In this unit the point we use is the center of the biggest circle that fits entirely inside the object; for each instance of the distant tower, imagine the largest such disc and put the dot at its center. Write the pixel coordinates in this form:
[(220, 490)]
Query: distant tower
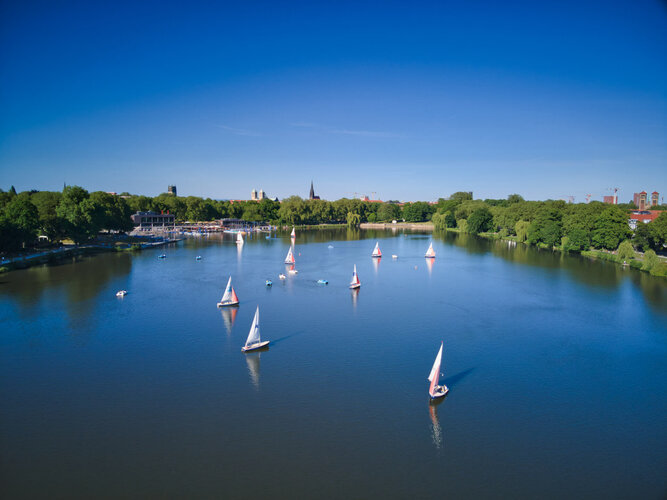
[(655, 196), (639, 199), (261, 195), (172, 190), (312, 191), (253, 195)]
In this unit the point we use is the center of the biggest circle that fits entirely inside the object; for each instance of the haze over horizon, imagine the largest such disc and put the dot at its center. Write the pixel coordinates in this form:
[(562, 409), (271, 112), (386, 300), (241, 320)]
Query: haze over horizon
[(412, 102)]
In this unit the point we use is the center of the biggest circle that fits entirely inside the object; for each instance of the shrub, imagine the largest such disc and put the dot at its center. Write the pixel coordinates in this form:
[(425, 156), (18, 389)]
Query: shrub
[(651, 260), (626, 251)]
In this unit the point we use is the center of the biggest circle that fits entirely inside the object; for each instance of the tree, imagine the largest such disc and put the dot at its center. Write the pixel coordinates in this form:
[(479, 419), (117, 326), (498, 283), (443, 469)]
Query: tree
[(658, 235), (76, 214), (418, 211), (577, 240), (514, 198), (461, 196), (611, 227), (642, 237), (439, 221), (546, 227), (20, 222), (480, 221), (388, 212), (625, 250), (521, 229), (650, 260), (353, 219), (293, 210), (49, 223)]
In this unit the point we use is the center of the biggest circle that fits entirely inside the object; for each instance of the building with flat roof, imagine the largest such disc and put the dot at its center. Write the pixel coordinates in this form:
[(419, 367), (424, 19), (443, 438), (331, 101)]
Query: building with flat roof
[(150, 221), (172, 190)]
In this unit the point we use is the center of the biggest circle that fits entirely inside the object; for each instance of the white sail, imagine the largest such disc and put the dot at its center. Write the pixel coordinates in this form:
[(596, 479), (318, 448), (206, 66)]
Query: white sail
[(253, 335), (430, 252), (435, 371), (290, 257), (239, 237), (228, 291), (376, 250), (293, 234)]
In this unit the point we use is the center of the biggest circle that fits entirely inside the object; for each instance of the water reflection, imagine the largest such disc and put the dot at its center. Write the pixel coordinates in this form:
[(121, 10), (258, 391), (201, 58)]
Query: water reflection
[(429, 265), (436, 430), (376, 264), (253, 361), (355, 295), (229, 317)]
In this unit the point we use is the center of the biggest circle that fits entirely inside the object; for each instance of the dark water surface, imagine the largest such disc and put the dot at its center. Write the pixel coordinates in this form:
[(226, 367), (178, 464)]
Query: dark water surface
[(557, 368)]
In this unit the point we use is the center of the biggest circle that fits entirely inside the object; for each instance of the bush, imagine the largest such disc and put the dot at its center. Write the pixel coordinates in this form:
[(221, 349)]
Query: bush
[(651, 260), (626, 251)]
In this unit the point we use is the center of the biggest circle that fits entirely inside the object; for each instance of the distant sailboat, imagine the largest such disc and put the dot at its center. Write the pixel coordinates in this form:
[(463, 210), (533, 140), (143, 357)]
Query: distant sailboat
[(254, 340), (229, 298), (430, 253), (435, 390), (239, 238), (293, 233), (376, 250), (355, 283), (290, 257)]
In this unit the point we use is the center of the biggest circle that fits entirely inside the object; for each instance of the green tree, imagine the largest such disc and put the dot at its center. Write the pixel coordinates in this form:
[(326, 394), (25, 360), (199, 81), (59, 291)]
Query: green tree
[(439, 221), (20, 223), (514, 198), (611, 227), (461, 196), (521, 229), (642, 237), (546, 227), (480, 221), (625, 250), (658, 234), (577, 240), (353, 219), (650, 260), (77, 213), (293, 210), (388, 212), (49, 223)]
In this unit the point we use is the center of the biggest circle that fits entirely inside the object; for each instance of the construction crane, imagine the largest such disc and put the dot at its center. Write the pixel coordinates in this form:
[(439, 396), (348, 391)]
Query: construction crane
[(588, 197), (615, 190), (374, 193)]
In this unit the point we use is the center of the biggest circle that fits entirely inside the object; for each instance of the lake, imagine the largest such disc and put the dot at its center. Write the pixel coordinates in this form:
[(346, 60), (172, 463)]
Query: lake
[(556, 365)]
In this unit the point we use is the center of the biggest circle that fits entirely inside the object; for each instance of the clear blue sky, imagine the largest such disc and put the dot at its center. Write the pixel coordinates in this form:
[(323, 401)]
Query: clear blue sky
[(410, 100)]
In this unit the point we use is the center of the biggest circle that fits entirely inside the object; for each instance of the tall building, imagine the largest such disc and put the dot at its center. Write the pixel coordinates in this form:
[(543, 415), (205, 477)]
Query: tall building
[(639, 200), (312, 193), (253, 195), (172, 190), (654, 198), (261, 195), (609, 199)]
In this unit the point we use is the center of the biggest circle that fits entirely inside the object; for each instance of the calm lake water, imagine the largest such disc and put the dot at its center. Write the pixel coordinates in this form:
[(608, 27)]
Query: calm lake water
[(557, 368)]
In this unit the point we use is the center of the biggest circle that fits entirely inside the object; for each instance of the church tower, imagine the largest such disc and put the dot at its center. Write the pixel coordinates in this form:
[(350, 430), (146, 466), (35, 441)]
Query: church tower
[(312, 191)]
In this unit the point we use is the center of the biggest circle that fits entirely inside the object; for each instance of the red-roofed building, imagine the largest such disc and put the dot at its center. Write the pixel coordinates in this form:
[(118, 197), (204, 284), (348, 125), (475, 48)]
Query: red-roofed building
[(654, 199), (639, 200), (644, 216)]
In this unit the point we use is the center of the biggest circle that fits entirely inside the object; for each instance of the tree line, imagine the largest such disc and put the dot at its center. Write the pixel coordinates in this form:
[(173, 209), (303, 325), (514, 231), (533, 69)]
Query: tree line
[(78, 215)]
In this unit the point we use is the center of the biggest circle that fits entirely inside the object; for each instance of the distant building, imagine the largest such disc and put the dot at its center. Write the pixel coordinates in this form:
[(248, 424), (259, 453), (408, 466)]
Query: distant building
[(644, 216), (639, 200), (148, 221), (261, 195), (609, 199), (253, 195), (654, 199), (312, 193), (172, 190)]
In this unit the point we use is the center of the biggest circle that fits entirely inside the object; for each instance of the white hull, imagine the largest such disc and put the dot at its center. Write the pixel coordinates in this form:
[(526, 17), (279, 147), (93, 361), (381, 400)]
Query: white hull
[(230, 303), (430, 256), (355, 285), (255, 346), (439, 392)]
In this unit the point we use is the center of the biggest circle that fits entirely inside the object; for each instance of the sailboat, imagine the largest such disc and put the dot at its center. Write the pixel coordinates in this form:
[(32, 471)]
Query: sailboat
[(435, 390), (430, 253), (229, 298), (376, 250), (355, 283), (293, 233), (290, 257), (239, 238), (254, 341)]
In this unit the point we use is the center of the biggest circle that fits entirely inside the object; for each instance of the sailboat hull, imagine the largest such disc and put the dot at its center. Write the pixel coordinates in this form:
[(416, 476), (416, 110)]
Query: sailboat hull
[(356, 285), (227, 304), (439, 392), (255, 346), (430, 256)]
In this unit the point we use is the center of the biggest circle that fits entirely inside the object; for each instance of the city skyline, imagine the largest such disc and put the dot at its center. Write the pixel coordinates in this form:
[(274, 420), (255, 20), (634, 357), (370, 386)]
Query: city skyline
[(547, 101)]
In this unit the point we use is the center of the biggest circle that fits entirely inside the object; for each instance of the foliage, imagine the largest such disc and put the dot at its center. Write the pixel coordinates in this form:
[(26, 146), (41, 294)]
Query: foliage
[(514, 198), (19, 223), (625, 250), (546, 228), (577, 240), (353, 219), (651, 260), (521, 229), (418, 211), (480, 221), (461, 196), (611, 227)]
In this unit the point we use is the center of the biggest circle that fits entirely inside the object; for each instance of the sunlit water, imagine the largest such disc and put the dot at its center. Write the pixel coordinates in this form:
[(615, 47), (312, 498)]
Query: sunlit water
[(557, 368)]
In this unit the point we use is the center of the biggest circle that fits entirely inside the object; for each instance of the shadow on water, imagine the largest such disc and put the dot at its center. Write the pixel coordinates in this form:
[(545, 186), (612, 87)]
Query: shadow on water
[(285, 337), (455, 379)]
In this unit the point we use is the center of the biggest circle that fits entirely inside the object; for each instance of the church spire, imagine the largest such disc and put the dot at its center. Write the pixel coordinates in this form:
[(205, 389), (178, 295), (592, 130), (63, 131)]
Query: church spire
[(312, 191)]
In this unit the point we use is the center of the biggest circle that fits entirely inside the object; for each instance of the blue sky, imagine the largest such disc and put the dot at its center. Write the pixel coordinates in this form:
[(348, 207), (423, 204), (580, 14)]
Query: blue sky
[(410, 100)]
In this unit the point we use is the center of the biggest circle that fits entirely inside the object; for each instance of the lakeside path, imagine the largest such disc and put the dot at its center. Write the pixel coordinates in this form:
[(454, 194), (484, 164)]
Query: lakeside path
[(427, 226)]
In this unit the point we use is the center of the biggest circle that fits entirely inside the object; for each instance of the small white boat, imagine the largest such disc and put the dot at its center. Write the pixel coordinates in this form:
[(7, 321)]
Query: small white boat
[(239, 238), (323, 282), (198, 257), (290, 257), (376, 250), (330, 247), (121, 293), (435, 390), (254, 340), (394, 256), (229, 298), (355, 283), (282, 276), (430, 253), (293, 233)]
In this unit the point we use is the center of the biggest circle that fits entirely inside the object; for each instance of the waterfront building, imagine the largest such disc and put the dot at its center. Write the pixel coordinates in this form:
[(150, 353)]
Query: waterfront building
[(644, 216), (639, 200), (172, 190), (149, 221)]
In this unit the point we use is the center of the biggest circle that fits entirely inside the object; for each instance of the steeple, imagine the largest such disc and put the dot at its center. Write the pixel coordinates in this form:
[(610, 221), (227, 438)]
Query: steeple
[(312, 191)]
